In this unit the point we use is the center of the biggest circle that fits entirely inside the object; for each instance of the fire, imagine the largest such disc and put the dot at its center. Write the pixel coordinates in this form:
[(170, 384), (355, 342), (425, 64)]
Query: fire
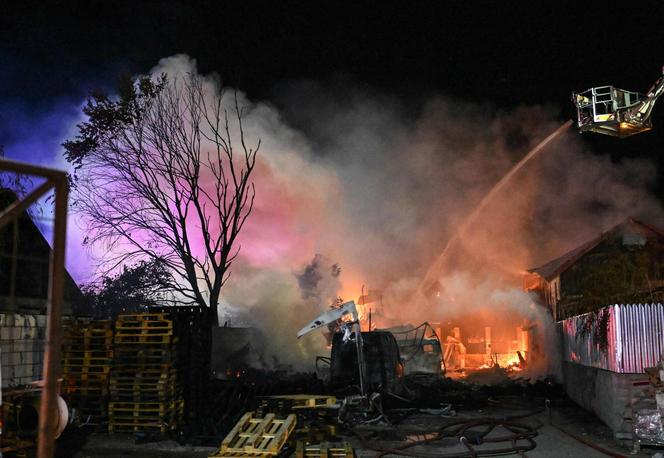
[(471, 338), (510, 361)]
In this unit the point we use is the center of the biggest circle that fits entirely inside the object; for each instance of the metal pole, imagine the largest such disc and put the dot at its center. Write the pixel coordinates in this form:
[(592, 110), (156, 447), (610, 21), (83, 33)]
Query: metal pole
[(46, 437), (361, 363)]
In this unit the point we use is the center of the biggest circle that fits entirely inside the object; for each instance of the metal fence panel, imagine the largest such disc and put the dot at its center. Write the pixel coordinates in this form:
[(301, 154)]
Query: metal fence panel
[(635, 339)]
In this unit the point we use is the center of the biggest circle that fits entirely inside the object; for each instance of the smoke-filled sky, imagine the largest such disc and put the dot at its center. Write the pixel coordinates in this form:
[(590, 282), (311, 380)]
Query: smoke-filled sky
[(377, 140)]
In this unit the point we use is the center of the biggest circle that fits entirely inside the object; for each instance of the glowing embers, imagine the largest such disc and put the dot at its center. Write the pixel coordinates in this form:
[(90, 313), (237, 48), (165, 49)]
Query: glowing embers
[(477, 343)]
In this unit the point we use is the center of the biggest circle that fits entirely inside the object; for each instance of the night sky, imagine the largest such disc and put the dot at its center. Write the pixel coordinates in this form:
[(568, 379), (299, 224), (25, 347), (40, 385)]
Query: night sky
[(498, 55), (503, 54)]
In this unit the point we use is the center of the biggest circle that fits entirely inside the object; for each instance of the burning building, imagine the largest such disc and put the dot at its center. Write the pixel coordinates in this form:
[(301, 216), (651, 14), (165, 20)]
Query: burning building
[(606, 295), (625, 263)]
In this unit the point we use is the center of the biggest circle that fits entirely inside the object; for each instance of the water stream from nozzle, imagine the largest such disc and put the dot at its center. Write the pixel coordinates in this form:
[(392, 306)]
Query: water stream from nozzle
[(435, 268)]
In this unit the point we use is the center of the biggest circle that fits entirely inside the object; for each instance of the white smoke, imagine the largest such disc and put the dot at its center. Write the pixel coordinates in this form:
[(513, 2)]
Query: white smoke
[(379, 186)]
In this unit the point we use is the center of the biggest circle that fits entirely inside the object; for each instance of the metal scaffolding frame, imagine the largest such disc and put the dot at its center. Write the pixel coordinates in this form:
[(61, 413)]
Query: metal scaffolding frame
[(57, 181)]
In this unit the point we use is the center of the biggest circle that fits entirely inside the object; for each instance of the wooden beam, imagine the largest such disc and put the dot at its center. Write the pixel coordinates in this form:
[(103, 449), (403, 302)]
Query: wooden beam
[(31, 169)]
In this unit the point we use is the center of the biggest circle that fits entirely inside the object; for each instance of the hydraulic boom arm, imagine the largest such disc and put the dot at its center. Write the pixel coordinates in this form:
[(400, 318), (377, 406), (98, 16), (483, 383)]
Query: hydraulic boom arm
[(642, 112)]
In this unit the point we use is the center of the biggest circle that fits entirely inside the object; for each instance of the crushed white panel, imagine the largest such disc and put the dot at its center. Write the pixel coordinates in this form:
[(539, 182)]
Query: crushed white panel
[(635, 339)]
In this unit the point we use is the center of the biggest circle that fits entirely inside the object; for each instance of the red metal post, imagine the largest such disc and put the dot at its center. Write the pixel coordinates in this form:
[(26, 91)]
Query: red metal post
[(46, 438)]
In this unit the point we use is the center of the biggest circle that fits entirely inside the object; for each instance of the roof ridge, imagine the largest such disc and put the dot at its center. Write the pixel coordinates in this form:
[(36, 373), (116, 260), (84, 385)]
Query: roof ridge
[(559, 264)]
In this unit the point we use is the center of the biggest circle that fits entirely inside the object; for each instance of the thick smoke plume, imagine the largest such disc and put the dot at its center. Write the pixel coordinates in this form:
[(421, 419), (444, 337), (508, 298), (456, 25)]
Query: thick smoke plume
[(378, 185), (381, 192)]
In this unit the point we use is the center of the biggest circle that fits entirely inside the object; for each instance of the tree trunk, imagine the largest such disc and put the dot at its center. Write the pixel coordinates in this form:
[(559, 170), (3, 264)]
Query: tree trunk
[(214, 312)]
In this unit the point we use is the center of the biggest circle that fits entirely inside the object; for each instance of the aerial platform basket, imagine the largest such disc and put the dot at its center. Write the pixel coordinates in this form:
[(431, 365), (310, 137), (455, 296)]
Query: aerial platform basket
[(260, 437), (602, 110), (617, 112)]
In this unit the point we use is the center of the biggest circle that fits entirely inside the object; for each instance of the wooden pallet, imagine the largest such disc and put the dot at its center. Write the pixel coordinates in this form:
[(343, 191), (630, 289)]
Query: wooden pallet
[(303, 401), (142, 317), (78, 334), (92, 402), (146, 408), (89, 328), (86, 377), (129, 332), (144, 397), (314, 433), (75, 361), (78, 352), (140, 427), (324, 450), (84, 391), (134, 355), (167, 413), (143, 326), (88, 343), (144, 387), (140, 377), (262, 437), (142, 339), (70, 369), (72, 384), (166, 382), (154, 370)]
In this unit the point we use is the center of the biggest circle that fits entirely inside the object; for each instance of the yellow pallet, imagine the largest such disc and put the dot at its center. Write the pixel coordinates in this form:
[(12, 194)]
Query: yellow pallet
[(324, 450), (86, 332), (143, 339), (156, 324), (143, 427), (263, 437), (86, 361), (90, 343), (143, 317), (144, 407), (80, 369), (77, 352), (305, 401), (143, 376)]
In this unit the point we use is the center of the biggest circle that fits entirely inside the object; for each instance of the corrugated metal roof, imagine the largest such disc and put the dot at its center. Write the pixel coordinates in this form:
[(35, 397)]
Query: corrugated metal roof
[(635, 339), (553, 268)]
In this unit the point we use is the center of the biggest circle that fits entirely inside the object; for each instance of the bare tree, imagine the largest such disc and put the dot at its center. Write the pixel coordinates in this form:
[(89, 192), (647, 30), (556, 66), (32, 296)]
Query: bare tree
[(163, 173)]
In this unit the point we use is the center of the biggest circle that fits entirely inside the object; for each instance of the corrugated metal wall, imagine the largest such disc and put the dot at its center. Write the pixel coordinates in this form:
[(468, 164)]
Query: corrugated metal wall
[(635, 339)]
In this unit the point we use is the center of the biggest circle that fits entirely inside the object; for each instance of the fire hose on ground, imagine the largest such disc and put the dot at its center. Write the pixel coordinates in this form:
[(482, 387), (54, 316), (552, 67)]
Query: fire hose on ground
[(471, 433), (580, 439), (463, 430)]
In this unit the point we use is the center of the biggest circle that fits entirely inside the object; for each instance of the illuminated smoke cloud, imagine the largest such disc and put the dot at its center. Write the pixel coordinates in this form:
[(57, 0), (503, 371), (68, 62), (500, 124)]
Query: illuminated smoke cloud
[(379, 185)]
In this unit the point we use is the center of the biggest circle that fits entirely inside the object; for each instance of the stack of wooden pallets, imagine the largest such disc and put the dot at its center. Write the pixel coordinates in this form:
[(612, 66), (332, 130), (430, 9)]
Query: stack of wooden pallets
[(144, 390), (191, 326), (87, 356)]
